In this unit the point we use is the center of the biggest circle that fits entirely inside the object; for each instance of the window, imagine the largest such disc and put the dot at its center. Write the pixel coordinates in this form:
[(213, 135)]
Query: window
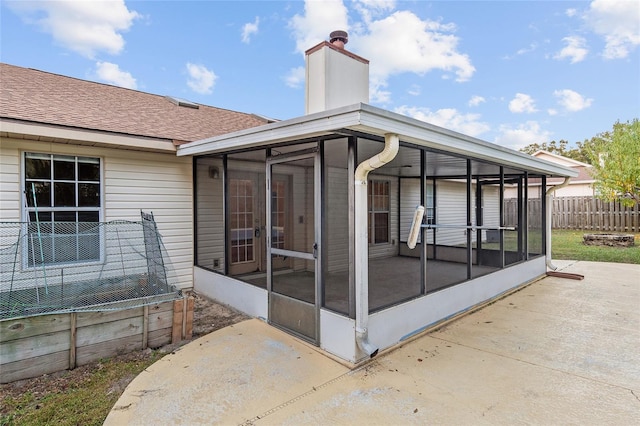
[(63, 204), (378, 202)]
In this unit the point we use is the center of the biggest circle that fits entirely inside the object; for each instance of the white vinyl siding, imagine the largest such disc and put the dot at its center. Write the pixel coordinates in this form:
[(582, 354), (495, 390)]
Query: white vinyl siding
[(409, 200), (209, 202), (337, 181), (490, 207), (451, 209), (132, 181)]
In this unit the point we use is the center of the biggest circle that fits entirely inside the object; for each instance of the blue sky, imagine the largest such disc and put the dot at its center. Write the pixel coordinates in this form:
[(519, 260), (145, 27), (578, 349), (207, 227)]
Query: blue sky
[(509, 72)]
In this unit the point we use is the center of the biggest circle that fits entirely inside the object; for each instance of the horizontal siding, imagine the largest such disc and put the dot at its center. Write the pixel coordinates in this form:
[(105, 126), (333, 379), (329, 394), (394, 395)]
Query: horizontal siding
[(9, 181), (172, 204), (337, 181), (451, 209), (409, 199), (210, 215), (132, 181)]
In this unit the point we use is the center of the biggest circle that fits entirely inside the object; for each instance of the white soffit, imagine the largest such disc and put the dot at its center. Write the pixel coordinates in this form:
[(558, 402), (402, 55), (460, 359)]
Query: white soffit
[(377, 122)]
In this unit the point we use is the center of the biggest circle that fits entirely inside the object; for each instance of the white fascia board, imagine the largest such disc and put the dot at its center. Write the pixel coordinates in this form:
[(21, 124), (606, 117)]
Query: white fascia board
[(85, 136), (313, 125), (375, 121), (427, 135)]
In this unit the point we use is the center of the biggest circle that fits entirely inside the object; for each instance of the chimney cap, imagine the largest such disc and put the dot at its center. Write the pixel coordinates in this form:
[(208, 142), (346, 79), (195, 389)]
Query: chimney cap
[(339, 35)]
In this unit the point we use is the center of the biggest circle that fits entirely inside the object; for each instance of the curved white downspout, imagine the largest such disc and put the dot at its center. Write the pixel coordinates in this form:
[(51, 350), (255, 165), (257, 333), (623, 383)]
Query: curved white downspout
[(391, 146), (549, 207)]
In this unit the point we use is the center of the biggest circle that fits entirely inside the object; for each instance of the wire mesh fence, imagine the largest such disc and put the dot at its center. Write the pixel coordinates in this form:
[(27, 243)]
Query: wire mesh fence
[(48, 267)]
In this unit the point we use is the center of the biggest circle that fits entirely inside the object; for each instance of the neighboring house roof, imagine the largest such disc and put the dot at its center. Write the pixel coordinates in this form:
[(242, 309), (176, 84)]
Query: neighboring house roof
[(39, 97), (559, 159), (583, 169)]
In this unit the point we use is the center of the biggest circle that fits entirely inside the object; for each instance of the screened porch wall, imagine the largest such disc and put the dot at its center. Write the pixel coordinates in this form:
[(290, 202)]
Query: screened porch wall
[(395, 272)]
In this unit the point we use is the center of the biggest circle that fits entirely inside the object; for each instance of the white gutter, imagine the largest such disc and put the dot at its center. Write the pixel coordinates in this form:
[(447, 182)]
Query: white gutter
[(549, 207), (391, 146)]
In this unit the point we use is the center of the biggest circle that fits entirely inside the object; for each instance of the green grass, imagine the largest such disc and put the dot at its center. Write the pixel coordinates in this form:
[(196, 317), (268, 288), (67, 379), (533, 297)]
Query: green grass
[(83, 396), (568, 245)]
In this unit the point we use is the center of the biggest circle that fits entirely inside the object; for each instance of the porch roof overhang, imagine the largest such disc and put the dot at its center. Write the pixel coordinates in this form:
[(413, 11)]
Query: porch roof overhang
[(366, 120)]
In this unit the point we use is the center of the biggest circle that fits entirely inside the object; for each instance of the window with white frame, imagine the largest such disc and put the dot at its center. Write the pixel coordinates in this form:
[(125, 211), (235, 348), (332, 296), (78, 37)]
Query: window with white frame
[(379, 211), (62, 207)]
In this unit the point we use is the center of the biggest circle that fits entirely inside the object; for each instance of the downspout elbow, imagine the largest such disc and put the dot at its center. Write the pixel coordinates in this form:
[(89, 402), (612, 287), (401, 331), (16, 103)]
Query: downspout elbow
[(391, 147), (362, 340), (549, 198)]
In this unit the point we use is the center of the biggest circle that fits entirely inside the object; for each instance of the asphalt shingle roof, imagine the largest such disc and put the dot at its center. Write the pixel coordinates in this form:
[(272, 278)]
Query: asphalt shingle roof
[(37, 96)]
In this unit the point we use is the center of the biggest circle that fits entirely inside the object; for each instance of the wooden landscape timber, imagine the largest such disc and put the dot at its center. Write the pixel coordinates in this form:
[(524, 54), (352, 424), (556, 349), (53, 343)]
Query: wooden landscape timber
[(44, 344)]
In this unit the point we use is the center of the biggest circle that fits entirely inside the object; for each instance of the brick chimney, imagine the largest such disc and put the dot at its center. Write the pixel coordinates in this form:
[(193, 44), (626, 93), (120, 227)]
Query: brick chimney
[(335, 77)]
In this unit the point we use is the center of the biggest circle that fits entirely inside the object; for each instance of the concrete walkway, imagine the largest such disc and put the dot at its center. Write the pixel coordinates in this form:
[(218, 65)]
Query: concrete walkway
[(559, 351)]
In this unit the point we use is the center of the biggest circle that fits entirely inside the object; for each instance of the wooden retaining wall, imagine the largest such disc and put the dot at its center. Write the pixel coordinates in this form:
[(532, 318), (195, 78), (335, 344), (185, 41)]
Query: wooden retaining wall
[(32, 346)]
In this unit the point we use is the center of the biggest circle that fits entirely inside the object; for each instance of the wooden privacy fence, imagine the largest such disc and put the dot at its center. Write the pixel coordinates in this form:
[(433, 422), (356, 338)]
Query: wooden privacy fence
[(583, 213), (594, 214)]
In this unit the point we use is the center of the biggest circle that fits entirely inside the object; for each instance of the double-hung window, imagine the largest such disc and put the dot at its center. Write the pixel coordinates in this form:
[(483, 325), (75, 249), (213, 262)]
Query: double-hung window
[(379, 211), (63, 208)]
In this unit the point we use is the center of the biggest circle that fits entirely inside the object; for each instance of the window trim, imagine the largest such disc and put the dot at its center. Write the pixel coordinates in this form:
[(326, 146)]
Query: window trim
[(371, 212), (26, 210)]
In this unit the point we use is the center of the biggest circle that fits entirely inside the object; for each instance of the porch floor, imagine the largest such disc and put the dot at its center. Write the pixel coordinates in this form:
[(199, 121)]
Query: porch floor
[(391, 280)]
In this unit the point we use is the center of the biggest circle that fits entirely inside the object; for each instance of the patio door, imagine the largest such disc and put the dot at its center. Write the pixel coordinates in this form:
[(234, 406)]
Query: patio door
[(293, 194), (247, 248)]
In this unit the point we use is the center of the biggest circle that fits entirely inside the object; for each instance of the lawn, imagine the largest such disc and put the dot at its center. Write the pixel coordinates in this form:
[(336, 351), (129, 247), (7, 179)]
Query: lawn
[(83, 396), (568, 245)]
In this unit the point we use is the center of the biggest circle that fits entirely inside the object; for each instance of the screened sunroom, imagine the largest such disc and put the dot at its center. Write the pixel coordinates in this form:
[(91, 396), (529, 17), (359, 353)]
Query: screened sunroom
[(305, 223)]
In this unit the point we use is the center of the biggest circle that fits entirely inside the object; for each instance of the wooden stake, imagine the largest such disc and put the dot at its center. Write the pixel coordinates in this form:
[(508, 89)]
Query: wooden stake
[(73, 332), (145, 327)]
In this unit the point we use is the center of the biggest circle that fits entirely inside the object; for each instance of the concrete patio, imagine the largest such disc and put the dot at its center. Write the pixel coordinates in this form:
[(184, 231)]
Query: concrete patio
[(558, 351)]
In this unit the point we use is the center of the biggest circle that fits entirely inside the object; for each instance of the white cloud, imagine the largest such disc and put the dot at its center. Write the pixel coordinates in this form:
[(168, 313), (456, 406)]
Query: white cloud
[(571, 12), (395, 42), (370, 9), (319, 19), (618, 21), (402, 42), (85, 27), (201, 80), (112, 74), (450, 118), (522, 103), (530, 48), (295, 77), (572, 101), (574, 50), (552, 111), (476, 100), (378, 93), (522, 135), (248, 29), (415, 90)]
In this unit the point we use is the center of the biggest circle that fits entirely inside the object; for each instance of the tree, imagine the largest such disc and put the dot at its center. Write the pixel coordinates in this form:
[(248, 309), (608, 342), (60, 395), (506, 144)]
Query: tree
[(561, 148), (616, 163)]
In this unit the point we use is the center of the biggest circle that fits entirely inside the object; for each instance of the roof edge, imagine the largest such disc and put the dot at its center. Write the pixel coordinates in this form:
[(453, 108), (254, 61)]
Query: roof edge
[(80, 136)]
